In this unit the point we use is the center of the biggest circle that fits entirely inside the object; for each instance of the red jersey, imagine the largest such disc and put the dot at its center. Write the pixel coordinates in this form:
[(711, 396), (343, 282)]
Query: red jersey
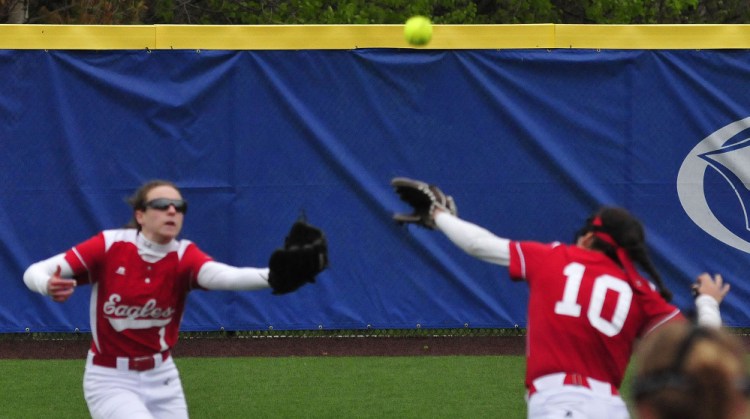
[(584, 316), (138, 291)]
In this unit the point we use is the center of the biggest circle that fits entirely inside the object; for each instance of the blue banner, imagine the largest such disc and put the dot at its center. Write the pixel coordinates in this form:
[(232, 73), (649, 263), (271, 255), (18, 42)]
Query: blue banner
[(528, 142)]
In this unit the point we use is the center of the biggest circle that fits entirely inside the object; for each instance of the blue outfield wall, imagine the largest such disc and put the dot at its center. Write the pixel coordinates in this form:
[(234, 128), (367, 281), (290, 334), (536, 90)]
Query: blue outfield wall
[(529, 142)]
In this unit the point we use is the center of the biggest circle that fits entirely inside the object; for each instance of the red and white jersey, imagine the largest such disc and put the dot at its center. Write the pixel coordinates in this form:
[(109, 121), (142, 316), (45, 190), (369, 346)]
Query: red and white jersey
[(138, 291), (584, 316)]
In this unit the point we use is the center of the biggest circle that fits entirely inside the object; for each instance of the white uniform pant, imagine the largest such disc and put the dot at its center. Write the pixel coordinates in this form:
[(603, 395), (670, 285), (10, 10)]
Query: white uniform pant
[(119, 393), (554, 400)]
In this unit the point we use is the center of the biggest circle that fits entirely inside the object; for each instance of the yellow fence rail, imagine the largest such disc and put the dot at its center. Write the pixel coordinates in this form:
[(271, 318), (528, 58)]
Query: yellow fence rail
[(300, 37)]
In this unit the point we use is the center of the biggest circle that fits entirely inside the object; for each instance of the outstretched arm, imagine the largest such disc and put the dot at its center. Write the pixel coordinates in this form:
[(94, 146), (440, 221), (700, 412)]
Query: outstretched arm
[(711, 291), (474, 240), (304, 255), (220, 276), (48, 277)]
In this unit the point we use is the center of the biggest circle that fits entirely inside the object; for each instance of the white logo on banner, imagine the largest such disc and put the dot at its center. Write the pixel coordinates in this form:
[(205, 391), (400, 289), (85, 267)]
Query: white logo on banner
[(732, 162)]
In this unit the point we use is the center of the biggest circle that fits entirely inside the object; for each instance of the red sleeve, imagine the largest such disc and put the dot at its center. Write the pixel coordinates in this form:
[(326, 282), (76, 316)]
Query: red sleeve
[(84, 257), (657, 310), (525, 257), (191, 263)]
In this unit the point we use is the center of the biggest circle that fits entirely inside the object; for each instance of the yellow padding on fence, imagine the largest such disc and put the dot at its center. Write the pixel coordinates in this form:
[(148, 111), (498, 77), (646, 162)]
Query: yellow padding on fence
[(653, 36), (351, 37), (76, 37), (300, 37)]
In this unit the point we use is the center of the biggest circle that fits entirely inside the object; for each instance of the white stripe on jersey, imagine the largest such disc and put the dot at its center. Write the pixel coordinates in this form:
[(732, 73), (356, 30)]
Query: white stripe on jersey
[(521, 260), (92, 315), (662, 321), (80, 258)]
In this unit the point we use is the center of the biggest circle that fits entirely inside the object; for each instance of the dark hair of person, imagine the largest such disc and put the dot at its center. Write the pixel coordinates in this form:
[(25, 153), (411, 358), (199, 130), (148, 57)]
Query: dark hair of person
[(137, 201), (627, 231), (690, 372)]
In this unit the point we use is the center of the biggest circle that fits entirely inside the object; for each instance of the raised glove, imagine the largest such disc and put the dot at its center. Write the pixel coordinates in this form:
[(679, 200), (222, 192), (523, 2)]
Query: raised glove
[(424, 199), (304, 255)]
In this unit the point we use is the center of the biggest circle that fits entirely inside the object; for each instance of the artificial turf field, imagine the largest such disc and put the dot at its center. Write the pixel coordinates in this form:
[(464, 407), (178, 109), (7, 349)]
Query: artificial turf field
[(295, 387)]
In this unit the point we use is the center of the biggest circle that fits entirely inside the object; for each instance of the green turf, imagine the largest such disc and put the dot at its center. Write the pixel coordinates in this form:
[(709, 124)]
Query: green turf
[(349, 387), (42, 389), (295, 387)]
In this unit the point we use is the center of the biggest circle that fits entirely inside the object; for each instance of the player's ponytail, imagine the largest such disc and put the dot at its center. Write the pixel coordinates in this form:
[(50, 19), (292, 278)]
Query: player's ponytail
[(628, 233)]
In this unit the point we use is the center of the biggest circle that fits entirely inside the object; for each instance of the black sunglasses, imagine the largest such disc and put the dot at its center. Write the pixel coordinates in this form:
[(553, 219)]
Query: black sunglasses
[(163, 204)]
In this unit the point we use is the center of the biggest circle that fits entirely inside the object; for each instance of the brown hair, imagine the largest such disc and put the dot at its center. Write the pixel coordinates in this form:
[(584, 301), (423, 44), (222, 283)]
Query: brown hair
[(688, 372), (138, 200)]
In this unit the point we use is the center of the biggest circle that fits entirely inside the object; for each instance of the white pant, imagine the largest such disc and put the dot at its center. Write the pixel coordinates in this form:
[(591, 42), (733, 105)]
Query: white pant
[(117, 393), (554, 400)]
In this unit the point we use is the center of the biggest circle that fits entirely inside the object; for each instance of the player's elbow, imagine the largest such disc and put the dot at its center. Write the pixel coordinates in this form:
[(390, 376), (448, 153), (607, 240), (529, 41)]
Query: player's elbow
[(33, 277), (474, 248)]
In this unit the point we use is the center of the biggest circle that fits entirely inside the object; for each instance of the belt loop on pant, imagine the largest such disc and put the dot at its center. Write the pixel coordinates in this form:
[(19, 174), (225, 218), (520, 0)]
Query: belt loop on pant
[(140, 363), (559, 380), (573, 379)]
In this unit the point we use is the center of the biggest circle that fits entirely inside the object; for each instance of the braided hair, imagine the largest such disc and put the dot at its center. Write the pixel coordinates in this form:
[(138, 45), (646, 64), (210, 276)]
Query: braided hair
[(627, 233)]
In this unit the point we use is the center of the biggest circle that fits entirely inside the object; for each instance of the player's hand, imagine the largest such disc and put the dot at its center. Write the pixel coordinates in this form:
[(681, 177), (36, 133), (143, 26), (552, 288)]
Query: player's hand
[(715, 287), (60, 289)]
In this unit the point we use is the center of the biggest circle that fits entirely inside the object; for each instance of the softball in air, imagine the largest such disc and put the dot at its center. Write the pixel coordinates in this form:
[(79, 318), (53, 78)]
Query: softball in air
[(418, 31)]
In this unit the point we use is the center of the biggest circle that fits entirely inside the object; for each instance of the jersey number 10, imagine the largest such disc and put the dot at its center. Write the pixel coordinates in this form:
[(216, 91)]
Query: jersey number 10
[(569, 305)]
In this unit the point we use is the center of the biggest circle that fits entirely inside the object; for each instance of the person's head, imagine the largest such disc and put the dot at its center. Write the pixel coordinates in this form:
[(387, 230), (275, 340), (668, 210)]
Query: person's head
[(626, 230), (688, 372), (158, 210), (611, 228)]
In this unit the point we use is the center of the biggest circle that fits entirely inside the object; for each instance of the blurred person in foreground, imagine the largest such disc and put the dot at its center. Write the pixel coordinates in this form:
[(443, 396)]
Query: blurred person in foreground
[(683, 371)]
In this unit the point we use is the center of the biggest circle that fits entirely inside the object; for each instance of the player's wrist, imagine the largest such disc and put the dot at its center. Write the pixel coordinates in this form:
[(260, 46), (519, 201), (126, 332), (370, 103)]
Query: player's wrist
[(707, 299)]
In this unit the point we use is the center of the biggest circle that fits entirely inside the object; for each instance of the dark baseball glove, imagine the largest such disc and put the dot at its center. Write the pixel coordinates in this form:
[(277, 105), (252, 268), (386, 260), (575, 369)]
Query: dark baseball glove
[(304, 255), (424, 199)]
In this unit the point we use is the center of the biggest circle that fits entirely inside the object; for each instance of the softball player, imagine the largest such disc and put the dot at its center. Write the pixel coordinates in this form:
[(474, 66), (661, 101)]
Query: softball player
[(587, 307), (140, 279)]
